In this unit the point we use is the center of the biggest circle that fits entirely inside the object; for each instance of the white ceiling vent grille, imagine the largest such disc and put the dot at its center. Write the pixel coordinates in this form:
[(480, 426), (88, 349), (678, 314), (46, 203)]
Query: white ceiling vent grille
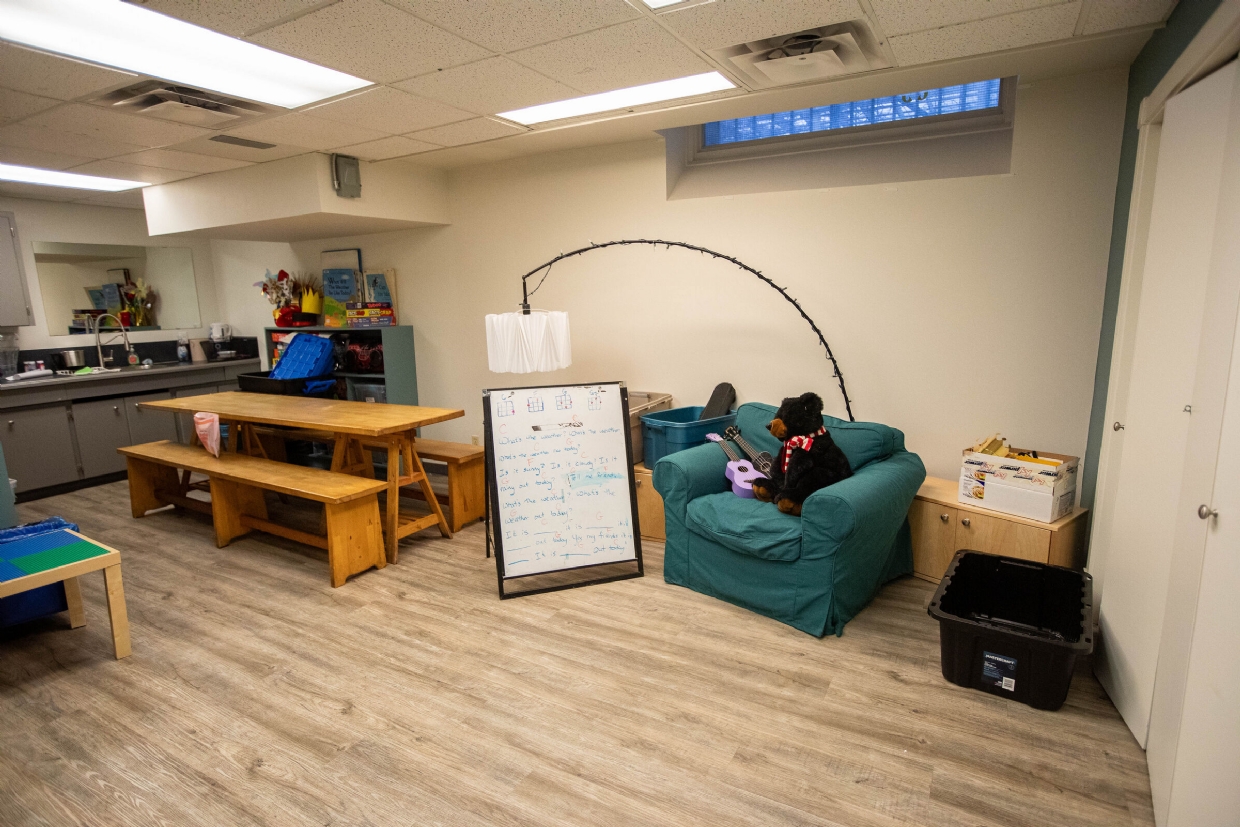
[(807, 56), (183, 104)]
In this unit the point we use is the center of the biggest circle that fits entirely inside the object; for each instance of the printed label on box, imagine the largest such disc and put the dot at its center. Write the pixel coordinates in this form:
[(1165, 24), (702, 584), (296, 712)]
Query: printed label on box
[(999, 671)]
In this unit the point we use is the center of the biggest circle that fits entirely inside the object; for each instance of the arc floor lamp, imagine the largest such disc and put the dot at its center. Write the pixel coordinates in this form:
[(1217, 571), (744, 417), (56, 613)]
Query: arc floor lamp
[(538, 340)]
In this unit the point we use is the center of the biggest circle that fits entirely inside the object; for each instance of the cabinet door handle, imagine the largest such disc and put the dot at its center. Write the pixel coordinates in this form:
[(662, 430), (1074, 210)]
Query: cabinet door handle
[(639, 483), (116, 409), (966, 522), (10, 424), (943, 517), (1205, 512)]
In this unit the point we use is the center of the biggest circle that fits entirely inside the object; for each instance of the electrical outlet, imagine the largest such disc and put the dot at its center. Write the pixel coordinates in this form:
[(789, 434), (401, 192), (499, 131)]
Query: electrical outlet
[(474, 440)]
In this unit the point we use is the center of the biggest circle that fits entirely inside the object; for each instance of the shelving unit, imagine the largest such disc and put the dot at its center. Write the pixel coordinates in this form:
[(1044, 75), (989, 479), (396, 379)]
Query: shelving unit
[(399, 374)]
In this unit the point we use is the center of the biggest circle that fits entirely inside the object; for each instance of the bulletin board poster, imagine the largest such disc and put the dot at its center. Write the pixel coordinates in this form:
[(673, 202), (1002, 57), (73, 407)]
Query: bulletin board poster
[(562, 492)]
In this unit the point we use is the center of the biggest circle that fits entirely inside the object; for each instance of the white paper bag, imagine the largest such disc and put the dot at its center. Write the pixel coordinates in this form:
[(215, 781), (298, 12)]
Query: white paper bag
[(208, 427)]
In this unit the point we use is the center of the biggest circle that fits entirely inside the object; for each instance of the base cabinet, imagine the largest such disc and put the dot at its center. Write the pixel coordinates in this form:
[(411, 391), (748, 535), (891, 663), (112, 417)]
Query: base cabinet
[(649, 505), (38, 446), (101, 428), (147, 425), (941, 526)]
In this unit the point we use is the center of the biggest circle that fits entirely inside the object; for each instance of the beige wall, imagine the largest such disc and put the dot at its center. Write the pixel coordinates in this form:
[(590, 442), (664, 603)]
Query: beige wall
[(956, 307), (79, 223)]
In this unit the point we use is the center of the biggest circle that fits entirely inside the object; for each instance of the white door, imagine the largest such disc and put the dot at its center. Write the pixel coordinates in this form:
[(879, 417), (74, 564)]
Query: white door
[(1205, 778), (1173, 290)]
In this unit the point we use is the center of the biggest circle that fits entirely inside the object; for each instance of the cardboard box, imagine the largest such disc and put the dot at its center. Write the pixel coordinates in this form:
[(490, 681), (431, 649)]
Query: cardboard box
[(1023, 472), (1035, 501)]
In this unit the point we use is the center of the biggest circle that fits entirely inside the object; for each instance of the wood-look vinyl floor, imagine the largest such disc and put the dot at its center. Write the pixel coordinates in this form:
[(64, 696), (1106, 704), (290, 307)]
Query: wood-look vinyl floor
[(259, 695)]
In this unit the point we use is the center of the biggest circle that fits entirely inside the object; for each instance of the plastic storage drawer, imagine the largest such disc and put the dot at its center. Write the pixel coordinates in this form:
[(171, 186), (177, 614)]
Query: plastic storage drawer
[(666, 432), (1013, 627)]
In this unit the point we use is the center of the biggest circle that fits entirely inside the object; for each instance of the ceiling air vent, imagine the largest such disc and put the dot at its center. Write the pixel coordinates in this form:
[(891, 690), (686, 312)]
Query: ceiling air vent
[(245, 142), (807, 56), (184, 104)]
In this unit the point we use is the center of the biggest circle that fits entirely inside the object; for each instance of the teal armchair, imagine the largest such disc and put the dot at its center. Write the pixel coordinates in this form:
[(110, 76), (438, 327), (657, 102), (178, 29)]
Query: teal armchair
[(814, 572)]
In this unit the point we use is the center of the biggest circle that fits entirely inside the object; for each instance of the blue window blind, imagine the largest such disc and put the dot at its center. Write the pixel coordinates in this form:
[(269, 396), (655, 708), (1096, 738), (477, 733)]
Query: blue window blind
[(947, 100)]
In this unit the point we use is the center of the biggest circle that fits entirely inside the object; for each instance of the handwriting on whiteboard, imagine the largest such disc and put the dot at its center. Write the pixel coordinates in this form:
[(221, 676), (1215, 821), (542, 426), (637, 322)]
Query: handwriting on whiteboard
[(562, 478)]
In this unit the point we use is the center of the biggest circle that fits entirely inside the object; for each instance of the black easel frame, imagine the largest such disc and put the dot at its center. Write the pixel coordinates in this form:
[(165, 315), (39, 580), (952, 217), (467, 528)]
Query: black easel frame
[(492, 503)]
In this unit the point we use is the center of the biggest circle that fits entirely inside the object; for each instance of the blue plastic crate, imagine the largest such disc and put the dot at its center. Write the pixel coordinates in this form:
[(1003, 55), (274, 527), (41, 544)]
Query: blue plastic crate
[(305, 357), (666, 432)]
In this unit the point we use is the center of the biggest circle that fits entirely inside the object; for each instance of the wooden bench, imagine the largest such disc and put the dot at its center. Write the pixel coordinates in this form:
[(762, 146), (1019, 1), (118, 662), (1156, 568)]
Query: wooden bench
[(354, 539), (466, 498)]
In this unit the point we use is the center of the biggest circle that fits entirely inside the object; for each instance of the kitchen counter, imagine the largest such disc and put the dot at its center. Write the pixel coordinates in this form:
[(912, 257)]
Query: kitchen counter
[(127, 380)]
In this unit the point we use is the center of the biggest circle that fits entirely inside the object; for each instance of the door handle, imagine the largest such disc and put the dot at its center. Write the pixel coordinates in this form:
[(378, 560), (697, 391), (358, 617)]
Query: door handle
[(1205, 512), (966, 522), (1117, 427)]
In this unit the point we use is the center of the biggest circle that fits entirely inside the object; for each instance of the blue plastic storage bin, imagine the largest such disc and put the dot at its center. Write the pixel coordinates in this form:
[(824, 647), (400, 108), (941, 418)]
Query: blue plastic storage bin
[(307, 356), (666, 432)]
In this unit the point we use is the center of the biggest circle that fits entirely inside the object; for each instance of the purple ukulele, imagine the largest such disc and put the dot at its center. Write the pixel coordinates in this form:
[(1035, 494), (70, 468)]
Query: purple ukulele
[(740, 472)]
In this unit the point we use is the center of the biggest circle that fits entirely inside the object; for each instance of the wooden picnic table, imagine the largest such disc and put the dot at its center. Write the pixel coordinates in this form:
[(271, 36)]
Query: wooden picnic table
[(354, 427)]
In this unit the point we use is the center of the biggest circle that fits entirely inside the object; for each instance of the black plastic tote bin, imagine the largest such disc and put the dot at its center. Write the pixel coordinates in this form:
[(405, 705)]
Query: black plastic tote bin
[(1013, 627)]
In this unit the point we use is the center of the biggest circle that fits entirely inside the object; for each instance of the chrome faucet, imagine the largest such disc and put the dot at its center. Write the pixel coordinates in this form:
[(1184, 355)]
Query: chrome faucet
[(98, 337)]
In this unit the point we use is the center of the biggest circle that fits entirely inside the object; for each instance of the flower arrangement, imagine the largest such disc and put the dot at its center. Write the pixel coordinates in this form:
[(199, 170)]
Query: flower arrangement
[(290, 295), (139, 302)]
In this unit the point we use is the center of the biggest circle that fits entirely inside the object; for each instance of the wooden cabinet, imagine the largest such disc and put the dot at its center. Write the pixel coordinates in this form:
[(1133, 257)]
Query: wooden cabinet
[(941, 526), (649, 505), (147, 425), (38, 446), (101, 428)]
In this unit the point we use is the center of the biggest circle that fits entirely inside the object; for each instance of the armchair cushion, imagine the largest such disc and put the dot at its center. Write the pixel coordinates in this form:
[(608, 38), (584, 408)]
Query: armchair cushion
[(861, 442), (746, 526)]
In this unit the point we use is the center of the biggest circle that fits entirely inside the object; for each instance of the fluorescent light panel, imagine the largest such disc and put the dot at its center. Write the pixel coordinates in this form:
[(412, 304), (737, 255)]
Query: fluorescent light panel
[(125, 36), (73, 180), (664, 90), (659, 4)]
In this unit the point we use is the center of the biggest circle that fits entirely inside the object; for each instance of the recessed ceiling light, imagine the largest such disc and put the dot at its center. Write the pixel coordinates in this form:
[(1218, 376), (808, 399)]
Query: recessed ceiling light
[(664, 90), (658, 4), (113, 33), (56, 178)]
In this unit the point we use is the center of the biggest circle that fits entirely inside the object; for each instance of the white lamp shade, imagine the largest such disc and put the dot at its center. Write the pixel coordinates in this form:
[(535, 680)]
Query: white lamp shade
[(517, 343)]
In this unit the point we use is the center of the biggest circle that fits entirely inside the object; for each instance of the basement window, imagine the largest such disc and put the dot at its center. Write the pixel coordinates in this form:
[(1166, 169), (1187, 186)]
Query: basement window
[(927, 103), (945, 132)]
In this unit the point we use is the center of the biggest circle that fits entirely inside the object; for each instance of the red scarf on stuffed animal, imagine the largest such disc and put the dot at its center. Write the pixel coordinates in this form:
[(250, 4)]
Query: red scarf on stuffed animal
[(803, 442)]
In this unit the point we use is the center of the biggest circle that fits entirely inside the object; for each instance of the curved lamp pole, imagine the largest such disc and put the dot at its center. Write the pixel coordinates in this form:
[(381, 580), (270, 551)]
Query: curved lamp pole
[(526, 292)]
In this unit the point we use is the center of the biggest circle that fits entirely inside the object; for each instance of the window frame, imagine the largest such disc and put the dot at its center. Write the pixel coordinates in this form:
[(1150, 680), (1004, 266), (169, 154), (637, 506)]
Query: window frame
[(980, 120)]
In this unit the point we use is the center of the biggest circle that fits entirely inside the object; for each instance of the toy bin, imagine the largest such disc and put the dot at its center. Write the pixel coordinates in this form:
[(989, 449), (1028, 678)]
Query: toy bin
[(643, 402), (666, 432), (1012, 627)]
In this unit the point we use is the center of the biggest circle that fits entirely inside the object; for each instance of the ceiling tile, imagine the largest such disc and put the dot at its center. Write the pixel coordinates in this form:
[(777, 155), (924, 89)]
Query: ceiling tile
[(25, 157), (625, 55), (370, 39), (902, 17), (17, 105), (52, 140), (303, 130), (508, 25), (467, 132), (131, 172), (389, 110), (54, 77), (182, 161), (97, 122), (984, 36), (42, 193), (496, 84), (1105, 15), (729, 22), (234, 17), (130, 199), (385, 148), (215, 149)]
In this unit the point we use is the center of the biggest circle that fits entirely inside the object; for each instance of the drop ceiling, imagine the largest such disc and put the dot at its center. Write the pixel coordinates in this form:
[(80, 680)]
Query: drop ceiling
[(445, 68)]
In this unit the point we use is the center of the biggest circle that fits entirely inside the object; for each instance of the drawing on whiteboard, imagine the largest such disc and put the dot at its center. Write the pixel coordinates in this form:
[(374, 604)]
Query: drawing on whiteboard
[(562, 488), (505, 408)]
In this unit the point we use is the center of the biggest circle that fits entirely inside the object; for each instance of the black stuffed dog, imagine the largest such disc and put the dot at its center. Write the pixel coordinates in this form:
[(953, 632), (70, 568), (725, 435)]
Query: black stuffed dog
[(808, 460)]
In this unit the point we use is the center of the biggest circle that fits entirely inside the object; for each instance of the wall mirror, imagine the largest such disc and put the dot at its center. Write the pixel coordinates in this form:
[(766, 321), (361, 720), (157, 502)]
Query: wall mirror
[(149, 288)]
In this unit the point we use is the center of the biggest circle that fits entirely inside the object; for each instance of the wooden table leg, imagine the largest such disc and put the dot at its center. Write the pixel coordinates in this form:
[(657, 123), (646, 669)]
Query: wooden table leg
[(415, 467), (116, 611), (391, 512), (73, 596)]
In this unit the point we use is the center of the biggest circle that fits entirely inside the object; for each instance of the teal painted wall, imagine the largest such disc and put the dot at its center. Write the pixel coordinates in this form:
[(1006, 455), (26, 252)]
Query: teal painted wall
[(1147, 70)]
